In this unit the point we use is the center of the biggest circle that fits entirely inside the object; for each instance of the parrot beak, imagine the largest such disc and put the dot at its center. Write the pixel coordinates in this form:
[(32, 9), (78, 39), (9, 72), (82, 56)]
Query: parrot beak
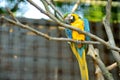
[(67, 19)]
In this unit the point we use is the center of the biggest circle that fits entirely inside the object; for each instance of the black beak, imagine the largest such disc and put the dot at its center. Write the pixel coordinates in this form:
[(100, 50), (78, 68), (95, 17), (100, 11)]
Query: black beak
[(67, 21)]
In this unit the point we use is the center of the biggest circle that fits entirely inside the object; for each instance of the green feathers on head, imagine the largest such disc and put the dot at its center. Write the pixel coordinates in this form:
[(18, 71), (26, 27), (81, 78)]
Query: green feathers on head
[(65, 15)]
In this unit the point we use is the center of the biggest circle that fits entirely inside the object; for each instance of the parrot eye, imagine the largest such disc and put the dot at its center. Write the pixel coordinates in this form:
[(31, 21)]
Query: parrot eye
[(72, 19)]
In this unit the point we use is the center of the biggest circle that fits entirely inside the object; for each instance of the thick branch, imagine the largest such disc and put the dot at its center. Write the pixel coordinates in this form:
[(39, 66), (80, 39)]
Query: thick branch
[(106, 22), (99, 75), (94, 53), (73, 28)]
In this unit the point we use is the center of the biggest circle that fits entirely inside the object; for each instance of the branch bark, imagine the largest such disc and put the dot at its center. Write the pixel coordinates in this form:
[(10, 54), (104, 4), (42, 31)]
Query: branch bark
[(45, 35), (106, 22), (54, 8), (99, 75), (75, 6), (94, 53), (45, 5)]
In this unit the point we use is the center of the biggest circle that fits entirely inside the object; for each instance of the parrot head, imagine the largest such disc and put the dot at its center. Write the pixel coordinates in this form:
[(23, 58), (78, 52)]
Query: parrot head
[(71, 18)]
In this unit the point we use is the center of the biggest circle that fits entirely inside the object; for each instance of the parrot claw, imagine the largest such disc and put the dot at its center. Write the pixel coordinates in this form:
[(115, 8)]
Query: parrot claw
[(79, 44)]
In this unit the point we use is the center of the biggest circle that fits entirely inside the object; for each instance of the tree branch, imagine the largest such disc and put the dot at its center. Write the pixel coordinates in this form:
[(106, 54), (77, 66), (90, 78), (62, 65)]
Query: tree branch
[(75, 6), (106, 22), (45, 5), (45, 35), (54, 8), (94, 53), (73, 28), (98, 72), (11, 14)]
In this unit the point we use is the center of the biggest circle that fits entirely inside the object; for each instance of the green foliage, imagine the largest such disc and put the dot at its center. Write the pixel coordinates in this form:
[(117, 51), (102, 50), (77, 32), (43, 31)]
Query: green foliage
[(59, 4), (2, 10), (115, 16), (13, 5), (94, 13)]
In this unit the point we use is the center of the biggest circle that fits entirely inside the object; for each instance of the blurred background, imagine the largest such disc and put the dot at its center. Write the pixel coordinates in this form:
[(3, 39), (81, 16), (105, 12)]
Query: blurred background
[(26, 56)]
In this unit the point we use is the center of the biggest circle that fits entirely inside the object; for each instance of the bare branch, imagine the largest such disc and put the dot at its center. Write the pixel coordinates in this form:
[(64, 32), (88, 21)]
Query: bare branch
[(47, 36), (106, 22), (12, 15), (94, 53), (73, 28), (54, 8), (110, 67), (45, 5), (98, 73), (75, 6)]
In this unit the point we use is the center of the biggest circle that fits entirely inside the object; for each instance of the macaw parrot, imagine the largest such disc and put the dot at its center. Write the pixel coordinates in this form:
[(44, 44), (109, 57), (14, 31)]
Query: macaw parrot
[(78, 49)]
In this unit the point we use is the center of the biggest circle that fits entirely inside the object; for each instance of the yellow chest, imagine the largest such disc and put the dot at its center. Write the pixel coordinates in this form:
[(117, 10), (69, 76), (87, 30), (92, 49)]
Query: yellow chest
[(75, 35)]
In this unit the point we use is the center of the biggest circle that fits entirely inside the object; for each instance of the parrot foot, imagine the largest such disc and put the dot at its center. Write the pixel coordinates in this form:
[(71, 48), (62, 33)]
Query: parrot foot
[(79, 45)]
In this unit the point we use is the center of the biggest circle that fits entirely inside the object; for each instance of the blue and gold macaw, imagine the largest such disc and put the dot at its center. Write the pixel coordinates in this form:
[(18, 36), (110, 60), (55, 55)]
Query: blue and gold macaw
[(78, 49)]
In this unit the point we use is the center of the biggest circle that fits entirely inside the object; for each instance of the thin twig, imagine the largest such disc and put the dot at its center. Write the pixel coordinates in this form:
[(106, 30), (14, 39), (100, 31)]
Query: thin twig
[(45, 5), (110, 67), (54, 8), (73, 28), (106, 22), (11, 14), (47, 36), (75, 6)]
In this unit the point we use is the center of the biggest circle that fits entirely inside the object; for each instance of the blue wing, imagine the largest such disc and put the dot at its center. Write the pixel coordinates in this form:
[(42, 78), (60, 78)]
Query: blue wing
[(68, 33), (86, 28)]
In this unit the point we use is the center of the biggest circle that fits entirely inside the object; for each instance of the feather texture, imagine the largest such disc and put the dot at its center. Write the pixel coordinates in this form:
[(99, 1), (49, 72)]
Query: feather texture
[(79, 51)]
